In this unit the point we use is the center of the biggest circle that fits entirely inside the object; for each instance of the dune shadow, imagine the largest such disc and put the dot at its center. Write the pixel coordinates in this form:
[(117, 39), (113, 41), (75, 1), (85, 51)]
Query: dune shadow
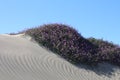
[(106, 69)]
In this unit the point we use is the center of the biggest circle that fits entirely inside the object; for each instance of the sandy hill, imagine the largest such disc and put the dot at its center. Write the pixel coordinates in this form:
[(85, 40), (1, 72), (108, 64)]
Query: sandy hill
[(23, 59)]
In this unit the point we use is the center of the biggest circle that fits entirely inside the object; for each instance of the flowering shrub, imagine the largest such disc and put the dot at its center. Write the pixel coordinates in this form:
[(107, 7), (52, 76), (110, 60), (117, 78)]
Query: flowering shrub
[(107, 51), (69, 44), (65, 41)]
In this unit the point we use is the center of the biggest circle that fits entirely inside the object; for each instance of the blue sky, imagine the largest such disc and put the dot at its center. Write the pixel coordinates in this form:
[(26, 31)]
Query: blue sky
[(92, 18)]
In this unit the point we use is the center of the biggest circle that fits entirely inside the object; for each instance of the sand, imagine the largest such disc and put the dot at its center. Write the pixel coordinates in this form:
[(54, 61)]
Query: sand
[(21, 58)]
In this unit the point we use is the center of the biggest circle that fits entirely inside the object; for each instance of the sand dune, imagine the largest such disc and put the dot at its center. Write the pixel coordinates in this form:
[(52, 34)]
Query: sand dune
[(23, 59)]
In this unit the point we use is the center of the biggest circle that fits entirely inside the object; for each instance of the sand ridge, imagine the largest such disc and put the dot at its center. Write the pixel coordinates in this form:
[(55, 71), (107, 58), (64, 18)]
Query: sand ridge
[(23, 59)]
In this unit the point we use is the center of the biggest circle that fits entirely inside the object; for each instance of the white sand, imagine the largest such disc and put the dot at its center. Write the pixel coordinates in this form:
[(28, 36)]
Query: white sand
[(22, 59)]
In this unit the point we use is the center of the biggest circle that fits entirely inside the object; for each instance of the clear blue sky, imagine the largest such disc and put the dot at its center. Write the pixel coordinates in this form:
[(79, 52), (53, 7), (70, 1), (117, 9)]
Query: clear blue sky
[(92, 18)]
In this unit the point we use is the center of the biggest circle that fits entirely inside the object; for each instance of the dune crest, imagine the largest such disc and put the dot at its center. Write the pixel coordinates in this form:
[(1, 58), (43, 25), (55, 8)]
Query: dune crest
[(23, 59)]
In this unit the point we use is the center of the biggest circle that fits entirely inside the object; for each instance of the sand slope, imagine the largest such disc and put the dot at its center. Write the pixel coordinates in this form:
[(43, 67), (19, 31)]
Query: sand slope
[(23, 59)]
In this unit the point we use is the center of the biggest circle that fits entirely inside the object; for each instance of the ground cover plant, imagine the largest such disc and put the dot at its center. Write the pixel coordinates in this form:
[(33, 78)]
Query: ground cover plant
[(65, 41), (107, 50), (71, 45)]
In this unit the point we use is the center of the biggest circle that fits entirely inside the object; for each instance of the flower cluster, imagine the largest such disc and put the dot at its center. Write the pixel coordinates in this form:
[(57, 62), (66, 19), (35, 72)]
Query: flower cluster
[(71, 45), (65, 41), (107, 51)]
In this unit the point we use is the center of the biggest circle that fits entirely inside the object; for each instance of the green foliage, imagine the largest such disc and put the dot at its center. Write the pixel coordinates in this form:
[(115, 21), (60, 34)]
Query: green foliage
[(107, 51), (69, 44), (65, 41)]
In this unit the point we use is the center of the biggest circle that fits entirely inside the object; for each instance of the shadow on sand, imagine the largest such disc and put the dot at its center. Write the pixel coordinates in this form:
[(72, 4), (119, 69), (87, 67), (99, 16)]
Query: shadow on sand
[(101, 69)]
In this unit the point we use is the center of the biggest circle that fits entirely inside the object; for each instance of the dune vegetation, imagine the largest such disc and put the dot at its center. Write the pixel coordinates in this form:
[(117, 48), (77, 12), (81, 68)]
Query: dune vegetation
[(65, 41), (107, 51)]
